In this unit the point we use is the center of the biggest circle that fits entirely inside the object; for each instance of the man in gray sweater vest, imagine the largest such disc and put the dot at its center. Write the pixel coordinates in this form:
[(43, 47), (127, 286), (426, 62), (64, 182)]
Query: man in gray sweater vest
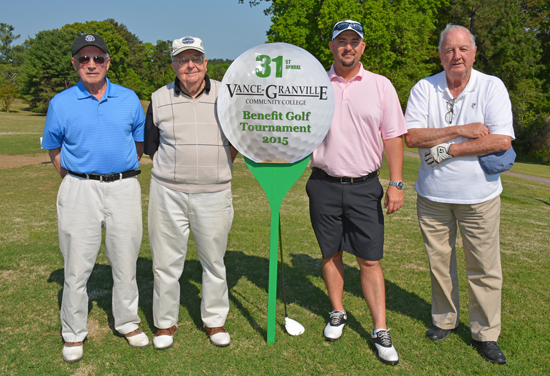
[(190, 190)]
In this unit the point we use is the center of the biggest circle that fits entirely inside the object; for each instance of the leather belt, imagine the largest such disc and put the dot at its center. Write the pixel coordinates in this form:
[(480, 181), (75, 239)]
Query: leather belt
[(346, 180), (108, 177)]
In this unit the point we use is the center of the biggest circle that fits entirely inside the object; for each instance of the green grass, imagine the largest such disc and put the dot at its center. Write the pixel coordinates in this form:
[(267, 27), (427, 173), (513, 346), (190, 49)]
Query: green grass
[(534, 169), (20, 144), (31, 277), (20, 120)]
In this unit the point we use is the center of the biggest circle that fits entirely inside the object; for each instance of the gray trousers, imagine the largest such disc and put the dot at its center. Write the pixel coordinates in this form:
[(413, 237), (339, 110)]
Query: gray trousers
[(83, 208), (172, 215)]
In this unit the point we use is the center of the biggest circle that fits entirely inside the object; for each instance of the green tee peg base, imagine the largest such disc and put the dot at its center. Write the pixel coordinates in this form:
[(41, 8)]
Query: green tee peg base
[(276, 179)]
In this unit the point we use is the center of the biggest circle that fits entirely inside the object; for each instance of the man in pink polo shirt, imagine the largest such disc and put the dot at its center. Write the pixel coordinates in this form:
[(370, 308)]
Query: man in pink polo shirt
[(344, 192)]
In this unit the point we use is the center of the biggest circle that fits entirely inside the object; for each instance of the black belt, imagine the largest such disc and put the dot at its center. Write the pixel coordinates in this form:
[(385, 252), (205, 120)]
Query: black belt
[(346, 180), (108, 177)]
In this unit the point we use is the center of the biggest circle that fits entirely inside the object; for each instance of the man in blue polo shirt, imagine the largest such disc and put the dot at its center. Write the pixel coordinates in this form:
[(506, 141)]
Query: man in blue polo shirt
[(94, 133)]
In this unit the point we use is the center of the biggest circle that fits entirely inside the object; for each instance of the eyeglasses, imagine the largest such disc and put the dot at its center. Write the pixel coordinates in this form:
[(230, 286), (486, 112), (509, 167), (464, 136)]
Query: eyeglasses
[(449, 114), (86, 59), (343, 25), (197, 60)]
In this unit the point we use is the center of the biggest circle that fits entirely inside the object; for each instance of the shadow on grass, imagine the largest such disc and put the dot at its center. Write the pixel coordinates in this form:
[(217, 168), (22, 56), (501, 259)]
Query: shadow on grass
[(99, 288), (302, 292), (30, 112), (299, 291), (544, 202)]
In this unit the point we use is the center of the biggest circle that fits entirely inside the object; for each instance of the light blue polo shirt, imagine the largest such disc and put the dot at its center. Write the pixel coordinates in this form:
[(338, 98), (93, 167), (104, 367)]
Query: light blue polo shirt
[(96, 137)]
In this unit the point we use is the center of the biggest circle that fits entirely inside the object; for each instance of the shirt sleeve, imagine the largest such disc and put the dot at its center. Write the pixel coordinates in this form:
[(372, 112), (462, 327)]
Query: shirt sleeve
[(138, 128), (498, 114), (416, 114), (393, 124), (152, 133), (53, 135)]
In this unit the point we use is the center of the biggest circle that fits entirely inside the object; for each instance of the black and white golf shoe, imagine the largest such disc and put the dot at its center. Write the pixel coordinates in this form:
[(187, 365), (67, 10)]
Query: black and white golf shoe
[(386, 351), (334, 328)]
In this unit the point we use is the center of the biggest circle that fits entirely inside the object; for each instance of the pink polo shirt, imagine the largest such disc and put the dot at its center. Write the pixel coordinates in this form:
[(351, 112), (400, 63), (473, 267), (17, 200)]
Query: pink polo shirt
[(366, 110)]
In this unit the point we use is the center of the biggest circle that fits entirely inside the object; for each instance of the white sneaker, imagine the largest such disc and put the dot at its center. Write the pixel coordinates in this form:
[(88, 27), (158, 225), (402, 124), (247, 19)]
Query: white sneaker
[(384, 347), (218, 336), (137, 339), (334, 328), (164, 338), (72, 352)]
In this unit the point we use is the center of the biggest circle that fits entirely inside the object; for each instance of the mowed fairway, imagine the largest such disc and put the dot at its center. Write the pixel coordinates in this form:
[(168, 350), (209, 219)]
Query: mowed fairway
[(31, 279)]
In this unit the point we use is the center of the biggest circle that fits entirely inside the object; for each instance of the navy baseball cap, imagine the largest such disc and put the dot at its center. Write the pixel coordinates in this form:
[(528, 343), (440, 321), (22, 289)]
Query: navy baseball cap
[(88, 40)]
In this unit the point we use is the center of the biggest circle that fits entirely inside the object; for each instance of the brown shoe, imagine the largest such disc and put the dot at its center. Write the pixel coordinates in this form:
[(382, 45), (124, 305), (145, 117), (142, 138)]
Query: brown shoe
[(218, 336), (164, 338), (137, 339)]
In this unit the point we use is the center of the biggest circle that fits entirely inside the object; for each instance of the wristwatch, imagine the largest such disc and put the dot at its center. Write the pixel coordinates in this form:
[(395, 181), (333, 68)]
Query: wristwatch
[(398, 184)]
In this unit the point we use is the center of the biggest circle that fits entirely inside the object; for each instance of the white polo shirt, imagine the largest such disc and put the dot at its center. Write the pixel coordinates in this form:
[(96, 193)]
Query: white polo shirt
[(484, 99)]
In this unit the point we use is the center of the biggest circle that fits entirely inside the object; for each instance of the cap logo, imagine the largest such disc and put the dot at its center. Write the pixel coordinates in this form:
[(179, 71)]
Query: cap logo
[(187, 40), (89, 38)]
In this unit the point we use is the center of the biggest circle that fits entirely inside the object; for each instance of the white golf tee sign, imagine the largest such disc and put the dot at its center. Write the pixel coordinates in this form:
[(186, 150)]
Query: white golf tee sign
[(276, 103), (275, 106)]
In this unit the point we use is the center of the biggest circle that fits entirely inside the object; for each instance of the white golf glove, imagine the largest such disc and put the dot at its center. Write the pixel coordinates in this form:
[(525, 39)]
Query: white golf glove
[(437, 154)]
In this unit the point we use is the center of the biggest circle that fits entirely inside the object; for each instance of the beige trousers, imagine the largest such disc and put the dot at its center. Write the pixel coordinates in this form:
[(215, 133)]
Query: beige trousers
[(83, 208), (479, 228), (171, 215)]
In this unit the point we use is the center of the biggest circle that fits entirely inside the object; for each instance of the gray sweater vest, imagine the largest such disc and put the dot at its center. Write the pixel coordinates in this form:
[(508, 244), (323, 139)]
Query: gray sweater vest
[(193, 155)]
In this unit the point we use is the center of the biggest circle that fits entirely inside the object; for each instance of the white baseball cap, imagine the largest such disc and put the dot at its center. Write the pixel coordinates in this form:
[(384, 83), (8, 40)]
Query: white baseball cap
[(186, 43), (352, 25)]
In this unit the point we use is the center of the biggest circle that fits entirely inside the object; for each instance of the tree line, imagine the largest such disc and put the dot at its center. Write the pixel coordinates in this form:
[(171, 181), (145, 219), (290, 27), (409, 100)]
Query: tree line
[(41, 67), (401, 37), (512, 36)]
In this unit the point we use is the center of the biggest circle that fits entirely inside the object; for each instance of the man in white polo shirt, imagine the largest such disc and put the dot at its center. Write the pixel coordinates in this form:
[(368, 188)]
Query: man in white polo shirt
[(454, 117)]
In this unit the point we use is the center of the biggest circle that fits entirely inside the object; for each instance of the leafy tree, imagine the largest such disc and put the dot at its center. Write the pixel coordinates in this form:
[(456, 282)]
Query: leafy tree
[(130, 58), (118, 48), (47, 68), (218, 61), (217, 71), (136, 51), (6, 39), (159, 64), (398, 33), (136, 76), (539, 17), (8, 93), (510, 36), (10, 56), (253, 2), (401, 43)]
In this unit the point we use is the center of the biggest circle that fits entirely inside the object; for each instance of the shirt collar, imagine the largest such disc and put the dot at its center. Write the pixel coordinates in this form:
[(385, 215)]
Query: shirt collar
[(333, 76), (82, 93), (470, 86), (206, 88)]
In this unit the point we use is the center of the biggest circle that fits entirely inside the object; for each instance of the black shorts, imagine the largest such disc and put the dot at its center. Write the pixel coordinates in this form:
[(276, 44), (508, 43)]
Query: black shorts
[(347, 217)]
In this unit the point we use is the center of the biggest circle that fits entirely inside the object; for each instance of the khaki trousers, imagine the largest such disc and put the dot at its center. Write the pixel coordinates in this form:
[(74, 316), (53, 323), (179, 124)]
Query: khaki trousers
[(83, 208), (479, 228), (171, 215)]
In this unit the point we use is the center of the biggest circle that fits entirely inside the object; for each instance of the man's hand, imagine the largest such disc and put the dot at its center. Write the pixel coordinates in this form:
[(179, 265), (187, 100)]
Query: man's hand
[(474, 130), (394, 199), (437, 154)]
